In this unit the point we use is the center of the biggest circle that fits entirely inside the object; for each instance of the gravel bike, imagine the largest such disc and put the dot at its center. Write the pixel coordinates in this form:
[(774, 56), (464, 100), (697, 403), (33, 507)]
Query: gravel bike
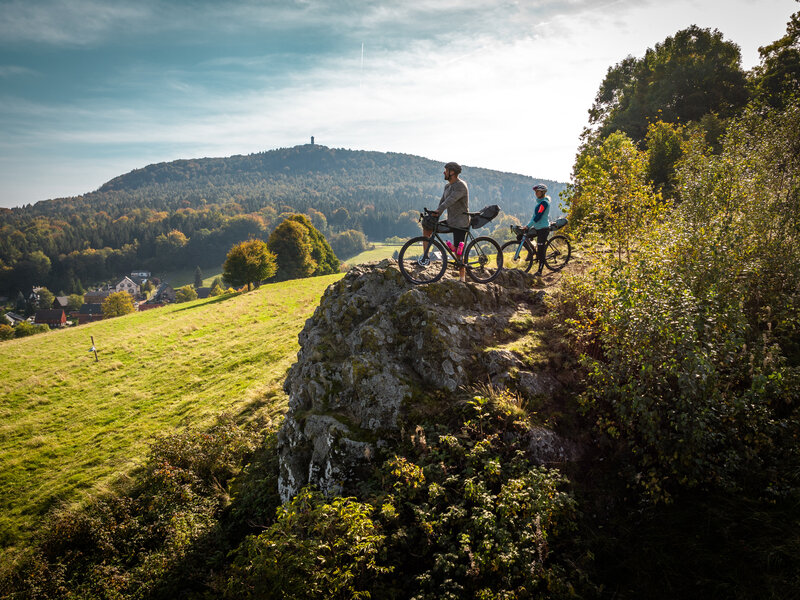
[(424, 259), (556, 255)]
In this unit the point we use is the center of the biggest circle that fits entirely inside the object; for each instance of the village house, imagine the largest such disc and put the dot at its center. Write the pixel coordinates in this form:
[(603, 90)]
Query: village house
[(96, 296), (61, 302), (54, 317), (164, 293), (89, 313), (14, 318), (126, 284)]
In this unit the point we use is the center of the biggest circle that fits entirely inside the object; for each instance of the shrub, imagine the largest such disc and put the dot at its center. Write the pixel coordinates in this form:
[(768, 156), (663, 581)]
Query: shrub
[(187, 293), (695, 368), (161, 538), (24, 329), (315, 549)]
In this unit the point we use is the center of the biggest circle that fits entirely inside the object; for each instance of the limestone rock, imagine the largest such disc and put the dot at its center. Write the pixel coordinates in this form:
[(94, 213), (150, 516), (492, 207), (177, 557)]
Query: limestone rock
[(375, 343)]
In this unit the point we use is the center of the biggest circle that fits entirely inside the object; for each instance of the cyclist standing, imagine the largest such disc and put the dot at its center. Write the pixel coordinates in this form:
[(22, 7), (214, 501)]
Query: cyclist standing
[(455, 200), (540, 221)]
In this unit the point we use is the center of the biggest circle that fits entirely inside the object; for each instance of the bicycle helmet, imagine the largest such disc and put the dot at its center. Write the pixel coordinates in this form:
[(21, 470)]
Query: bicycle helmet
[(540, 187), (453, 166)]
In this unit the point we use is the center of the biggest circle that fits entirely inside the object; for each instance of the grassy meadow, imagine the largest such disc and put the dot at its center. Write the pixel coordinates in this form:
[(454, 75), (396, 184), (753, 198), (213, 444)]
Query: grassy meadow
[(71, 426), (380, 251)]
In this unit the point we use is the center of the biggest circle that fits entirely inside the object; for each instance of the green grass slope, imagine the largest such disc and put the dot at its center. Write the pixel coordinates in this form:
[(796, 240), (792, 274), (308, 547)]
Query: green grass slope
[(70, 426)]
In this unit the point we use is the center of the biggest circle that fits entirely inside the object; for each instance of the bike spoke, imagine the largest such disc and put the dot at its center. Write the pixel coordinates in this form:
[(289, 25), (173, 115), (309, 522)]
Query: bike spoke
[(483, 259), (422, 261), (522, 263)]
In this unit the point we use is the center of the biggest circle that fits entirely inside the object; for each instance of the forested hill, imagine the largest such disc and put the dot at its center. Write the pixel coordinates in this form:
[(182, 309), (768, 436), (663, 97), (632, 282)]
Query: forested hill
[(189, 212)]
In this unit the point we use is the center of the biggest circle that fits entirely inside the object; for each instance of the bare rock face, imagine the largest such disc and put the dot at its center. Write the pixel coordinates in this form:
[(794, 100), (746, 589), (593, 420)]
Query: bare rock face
[(374, 344)]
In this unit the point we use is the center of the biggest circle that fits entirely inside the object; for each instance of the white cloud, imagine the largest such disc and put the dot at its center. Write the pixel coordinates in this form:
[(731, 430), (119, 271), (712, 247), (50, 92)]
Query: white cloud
[(502, 85), (74, 23)]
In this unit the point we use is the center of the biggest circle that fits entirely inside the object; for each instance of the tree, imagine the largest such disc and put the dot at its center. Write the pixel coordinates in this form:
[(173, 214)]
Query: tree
[(19, 303), (185, 294), (248, 263), (615, 198), (198, 278), (686, 76), (6, 332), (74, 301), (664, 148), (292, 248), (348, 243), (321, 251), (117, 304), (777, 79), (46, 298)]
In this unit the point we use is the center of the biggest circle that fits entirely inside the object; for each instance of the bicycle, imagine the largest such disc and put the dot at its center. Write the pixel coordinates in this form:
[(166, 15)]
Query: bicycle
[(556, 255), (424, 259)]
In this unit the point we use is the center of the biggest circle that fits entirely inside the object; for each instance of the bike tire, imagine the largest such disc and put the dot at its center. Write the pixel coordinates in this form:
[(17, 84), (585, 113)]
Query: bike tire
[(483, 259), (522, 263), (409, 264), (557, 253)]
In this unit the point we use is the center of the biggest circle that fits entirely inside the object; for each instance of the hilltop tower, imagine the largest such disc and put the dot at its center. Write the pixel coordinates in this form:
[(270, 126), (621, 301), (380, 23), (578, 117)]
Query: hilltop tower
[(312, 140)]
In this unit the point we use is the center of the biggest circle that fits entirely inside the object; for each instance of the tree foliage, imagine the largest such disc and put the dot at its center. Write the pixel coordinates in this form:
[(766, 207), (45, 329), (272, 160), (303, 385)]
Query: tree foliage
[(117, 304), (348, 243), (301, 250), (686, 76), (187, 293), (693, 349), (616, 201), (248, 263), (191, 212), (776, 80), (45, 298)]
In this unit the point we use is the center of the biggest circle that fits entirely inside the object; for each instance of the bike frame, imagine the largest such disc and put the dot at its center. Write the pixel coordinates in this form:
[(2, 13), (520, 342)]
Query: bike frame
[(524, 239), (456, 259)]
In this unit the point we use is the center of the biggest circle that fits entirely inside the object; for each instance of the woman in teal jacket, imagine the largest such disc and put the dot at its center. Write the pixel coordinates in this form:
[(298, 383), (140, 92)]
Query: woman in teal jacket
[(540, 221)]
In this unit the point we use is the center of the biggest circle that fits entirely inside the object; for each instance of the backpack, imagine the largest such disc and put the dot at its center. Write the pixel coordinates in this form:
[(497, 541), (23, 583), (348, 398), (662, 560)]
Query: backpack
[(485, 215)]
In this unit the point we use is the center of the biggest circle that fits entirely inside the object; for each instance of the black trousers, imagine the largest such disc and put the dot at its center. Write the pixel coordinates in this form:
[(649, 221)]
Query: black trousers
[(541, 242)]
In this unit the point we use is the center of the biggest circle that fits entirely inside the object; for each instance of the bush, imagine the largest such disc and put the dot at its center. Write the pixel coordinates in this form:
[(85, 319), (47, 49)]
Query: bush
[(187, 293), (160, 539), (24, 329), (315, 549), (457, 512), (692, 348)]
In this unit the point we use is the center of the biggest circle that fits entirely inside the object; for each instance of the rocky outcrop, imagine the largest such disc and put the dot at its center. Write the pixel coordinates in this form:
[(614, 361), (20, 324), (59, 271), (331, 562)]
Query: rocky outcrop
[(375, 344)]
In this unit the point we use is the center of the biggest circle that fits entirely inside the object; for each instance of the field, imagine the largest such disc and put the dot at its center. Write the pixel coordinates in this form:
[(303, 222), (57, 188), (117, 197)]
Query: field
[(379, 252), (181, 277), (71, 426)]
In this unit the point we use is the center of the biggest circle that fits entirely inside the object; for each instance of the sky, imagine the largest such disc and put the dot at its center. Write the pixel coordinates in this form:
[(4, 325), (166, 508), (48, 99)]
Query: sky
[(92, 89)]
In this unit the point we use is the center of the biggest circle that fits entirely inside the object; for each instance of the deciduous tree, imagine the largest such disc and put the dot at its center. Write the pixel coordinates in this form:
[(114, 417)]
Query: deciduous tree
[(249, 263), (185, 294), (117, 304), (686, 76), (290, 243)]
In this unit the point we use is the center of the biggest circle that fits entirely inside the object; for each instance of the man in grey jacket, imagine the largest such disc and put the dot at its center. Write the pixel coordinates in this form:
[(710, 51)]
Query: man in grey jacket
[(455, 200)]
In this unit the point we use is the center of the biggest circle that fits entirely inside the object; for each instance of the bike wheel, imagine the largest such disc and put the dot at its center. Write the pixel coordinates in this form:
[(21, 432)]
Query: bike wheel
[(483, 259), (419, 266), (557, 253), (523, 263)]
